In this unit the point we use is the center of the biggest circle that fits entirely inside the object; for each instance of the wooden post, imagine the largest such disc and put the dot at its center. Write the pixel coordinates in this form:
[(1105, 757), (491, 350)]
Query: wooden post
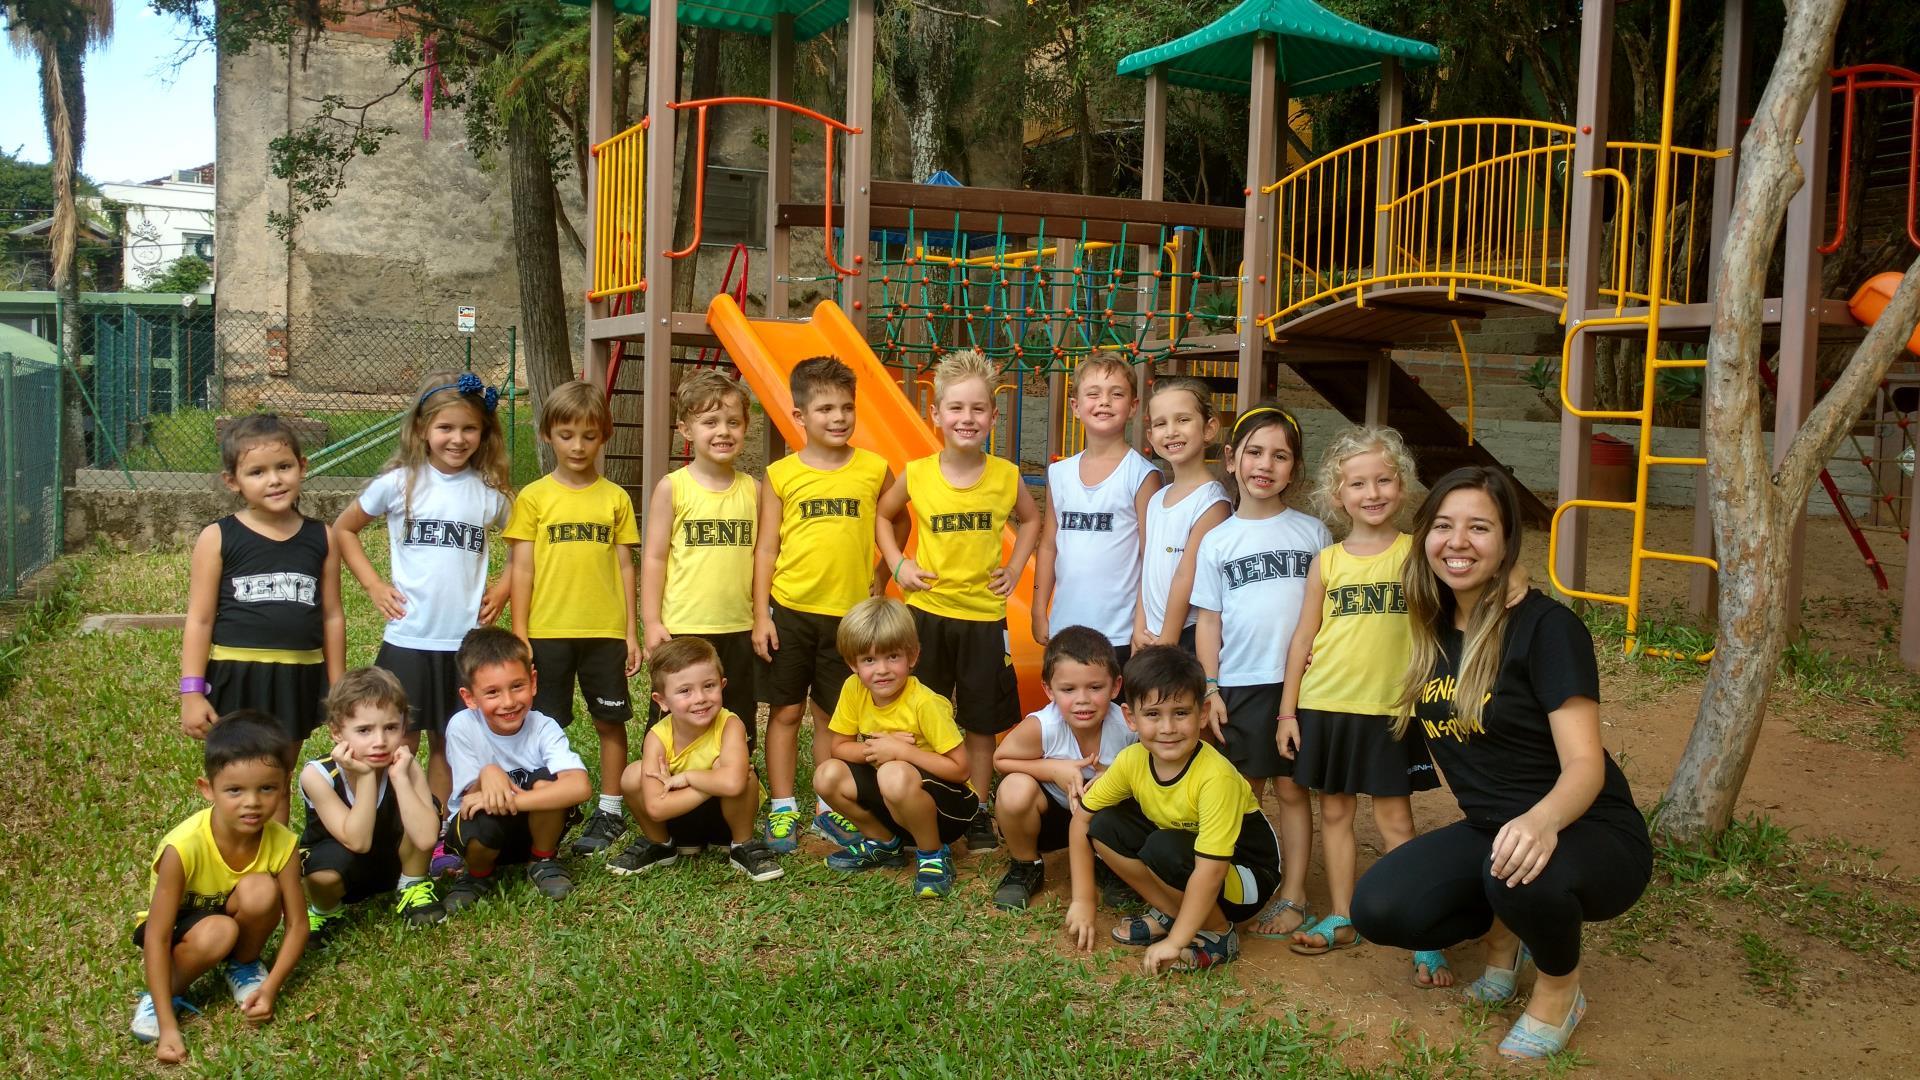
[(779, 168), (1060, 298), (858, 173), (1584, 228), (1153, 187), (663, 69), (597, 351), (1393, 111), (1379, 374), (1266, 111), (1736, 77), (1910, 611), (1800, 313)]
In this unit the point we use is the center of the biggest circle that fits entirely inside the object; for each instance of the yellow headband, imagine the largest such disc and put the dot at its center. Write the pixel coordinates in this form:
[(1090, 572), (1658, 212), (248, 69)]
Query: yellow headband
[(1282, 413)]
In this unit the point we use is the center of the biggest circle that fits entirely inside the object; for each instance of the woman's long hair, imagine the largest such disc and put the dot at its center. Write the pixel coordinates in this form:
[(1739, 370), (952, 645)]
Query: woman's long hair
[(1429, 601)]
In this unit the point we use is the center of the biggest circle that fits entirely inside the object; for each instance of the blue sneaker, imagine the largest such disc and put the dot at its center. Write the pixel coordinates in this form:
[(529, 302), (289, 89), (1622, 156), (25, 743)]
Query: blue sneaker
[(783, 831), (865, 854), (838, 830), (934, 878), (244, 979)]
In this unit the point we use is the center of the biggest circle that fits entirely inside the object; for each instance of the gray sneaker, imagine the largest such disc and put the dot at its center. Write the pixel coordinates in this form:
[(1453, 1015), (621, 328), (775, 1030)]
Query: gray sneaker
[(465, 892), (550, 878), (980, 832), (754, 860), (641, 856), (1017, 888), (603, 829)]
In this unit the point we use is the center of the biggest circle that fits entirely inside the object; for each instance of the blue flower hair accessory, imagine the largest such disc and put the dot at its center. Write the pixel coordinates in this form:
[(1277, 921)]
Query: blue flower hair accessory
[(467, 385)]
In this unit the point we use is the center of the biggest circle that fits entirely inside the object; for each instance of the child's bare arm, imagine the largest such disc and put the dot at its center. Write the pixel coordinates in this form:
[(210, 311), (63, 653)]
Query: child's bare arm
[(1196, 903), (351, 825), (1180, 589), (624, 554), (1080, 877), (1021, 748), (196, 639), (333, 615), (730, 771), (419, 819), (950, 766), (353, 555), (882, 567), (1026, 535), (156, 950), (653, 564), (766, 552), (891, 540), (520, 588), (567, 789), (293, 942), (847, 748), (1044, 556), (1206, 643), (1298, 649)]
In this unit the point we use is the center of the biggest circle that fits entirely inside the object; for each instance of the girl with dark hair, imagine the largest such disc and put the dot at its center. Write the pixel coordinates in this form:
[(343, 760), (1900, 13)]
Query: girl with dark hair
[(1507, 700)]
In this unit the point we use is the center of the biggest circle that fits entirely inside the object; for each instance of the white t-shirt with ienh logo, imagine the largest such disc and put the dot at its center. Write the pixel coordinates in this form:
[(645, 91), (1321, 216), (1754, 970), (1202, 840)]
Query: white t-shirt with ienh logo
[(439, 551), (1254, 573), (1096, 540)]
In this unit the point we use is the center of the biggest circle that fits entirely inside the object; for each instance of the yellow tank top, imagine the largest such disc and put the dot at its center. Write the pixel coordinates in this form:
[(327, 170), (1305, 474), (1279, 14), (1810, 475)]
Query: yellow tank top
[(209, 880), (698, 755), (1365, 642), (827, 549), (957, 534), (709, 588)]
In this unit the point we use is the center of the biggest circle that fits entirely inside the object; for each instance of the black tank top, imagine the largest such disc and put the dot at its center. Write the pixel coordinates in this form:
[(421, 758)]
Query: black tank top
[(386, 816), (270, 589)]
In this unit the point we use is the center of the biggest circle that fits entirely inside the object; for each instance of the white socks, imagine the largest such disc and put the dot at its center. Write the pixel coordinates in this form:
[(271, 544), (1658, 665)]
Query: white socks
[(612, 804), (785, 804)]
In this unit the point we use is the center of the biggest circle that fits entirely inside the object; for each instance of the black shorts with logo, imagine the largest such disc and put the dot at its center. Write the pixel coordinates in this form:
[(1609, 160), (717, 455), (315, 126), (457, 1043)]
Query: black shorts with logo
[(597, 665), (969, 664), (954, 804), (807, 664)]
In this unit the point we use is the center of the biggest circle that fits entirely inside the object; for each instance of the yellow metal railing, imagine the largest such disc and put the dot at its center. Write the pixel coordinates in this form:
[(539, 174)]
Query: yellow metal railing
[(619, 205), (1662, 240), (1477, 203)]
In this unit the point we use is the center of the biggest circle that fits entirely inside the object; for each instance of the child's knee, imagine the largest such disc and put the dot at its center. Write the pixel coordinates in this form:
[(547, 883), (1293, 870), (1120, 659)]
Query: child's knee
[(1336, 809), (898, 781), (610, 730), (1290, 794), (254, 896), (631, 776), (831, 775), (1018, 794), (786, 716), (326, 881), (210, 939)]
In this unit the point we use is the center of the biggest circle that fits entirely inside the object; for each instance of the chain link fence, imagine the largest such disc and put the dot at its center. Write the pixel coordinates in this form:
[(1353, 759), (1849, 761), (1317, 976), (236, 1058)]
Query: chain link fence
[(29, 461), (157, 386)]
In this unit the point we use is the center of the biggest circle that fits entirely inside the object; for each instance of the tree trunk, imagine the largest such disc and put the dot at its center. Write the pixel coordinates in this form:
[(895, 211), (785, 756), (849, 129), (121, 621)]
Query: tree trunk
[(1756, 507), (536, 241), (929, 47)]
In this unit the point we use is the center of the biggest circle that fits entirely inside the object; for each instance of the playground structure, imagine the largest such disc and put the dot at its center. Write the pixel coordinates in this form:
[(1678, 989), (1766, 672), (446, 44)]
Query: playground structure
[(1412, 230)]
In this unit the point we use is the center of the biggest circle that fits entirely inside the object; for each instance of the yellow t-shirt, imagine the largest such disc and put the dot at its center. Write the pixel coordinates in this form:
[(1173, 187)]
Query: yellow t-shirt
[(957, 531), (709, 587), (700, 754), (827, 549), (576, 572), (209, 878), (1365, 640), (1208, 798), (920, 712)]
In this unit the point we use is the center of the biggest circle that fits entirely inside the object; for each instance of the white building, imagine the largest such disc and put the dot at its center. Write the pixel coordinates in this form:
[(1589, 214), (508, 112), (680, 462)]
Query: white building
[(166, 218)]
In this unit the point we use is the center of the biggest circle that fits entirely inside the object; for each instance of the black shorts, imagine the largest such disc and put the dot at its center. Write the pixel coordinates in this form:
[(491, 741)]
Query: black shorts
[(741, 667), (1056, 822), (968, 663), (1253, 721), (704, 825), (1356, 754), (365, 876), (432, 681), (182, 922), (954, 804), (807, 664), (509, 834), (599, 665), (1252, 875)]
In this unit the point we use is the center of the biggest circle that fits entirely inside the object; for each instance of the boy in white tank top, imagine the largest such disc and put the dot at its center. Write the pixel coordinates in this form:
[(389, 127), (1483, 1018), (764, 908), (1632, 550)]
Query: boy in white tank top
[(1046, 760), (1087, 572)]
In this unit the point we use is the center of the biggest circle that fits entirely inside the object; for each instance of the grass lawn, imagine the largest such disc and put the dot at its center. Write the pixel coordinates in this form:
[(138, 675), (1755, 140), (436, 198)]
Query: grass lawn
[(690, 970), (184, 441)]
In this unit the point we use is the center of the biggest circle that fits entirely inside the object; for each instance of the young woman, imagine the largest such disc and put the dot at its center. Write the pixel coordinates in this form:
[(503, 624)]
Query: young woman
[(1507, 699)]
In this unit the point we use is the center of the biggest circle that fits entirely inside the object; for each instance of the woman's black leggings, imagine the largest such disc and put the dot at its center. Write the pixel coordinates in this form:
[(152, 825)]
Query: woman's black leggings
[(1438, 890)]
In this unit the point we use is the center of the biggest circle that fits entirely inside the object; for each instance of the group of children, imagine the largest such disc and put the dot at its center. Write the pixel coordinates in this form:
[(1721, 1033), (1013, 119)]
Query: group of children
[(1179, 619)]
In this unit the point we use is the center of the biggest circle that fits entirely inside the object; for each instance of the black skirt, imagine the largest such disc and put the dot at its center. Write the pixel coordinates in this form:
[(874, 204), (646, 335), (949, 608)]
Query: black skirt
[(292, 694), (1356, 754)]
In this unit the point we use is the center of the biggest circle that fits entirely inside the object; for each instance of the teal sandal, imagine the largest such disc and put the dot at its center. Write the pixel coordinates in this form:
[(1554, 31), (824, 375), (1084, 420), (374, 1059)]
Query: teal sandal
[(1272, 911), (1435, 962), (1496, 985), (1327, 930)]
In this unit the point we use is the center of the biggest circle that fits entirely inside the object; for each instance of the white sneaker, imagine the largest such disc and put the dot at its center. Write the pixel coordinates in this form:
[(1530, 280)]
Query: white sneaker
[(146, 1022), (244, 979)]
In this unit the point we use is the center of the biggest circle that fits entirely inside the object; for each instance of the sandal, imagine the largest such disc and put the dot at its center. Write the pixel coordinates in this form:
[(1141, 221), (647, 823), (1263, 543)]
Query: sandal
[(1273, 911), (1328, 930), (1210, 948), (1138, 929), (1496, 985), (1533, 1039), (1435, 962)]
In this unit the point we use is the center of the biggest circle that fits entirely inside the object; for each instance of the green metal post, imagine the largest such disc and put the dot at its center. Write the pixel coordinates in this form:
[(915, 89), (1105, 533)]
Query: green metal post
[(469, 352), (12, 466)]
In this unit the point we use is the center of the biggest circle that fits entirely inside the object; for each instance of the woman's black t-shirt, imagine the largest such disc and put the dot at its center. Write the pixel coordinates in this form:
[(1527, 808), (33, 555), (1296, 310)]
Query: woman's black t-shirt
[(1499, 768)]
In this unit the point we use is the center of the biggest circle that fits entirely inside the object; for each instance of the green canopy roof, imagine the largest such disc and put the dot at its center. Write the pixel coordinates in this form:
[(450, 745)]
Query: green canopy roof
[(1319, 51), (25, 346), (810, 17)]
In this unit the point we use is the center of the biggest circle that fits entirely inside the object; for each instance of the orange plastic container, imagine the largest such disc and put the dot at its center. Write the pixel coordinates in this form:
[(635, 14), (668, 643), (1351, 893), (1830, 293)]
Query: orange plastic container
[(1872, 298)]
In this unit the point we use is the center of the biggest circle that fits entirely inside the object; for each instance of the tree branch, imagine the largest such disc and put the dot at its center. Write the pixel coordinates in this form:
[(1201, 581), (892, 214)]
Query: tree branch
[(924, 6), (1829, 421)]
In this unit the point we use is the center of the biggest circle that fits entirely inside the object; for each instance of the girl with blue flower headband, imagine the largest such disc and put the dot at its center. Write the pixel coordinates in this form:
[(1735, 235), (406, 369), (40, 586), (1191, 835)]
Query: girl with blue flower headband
[(443, 492)]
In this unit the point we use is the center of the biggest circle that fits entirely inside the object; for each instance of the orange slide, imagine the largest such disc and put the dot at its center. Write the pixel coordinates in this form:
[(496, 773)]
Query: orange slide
[(766, 350), (1872, 298)]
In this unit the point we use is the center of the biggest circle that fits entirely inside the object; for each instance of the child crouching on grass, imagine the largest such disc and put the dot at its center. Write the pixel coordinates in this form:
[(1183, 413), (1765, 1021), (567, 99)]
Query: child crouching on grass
[(693, 785), (516, 780), (899, 763), (1176, 821), (221, 881), (372, 821)]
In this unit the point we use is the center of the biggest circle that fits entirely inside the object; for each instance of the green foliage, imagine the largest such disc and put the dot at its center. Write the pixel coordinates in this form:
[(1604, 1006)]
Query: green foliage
[(183, 275)]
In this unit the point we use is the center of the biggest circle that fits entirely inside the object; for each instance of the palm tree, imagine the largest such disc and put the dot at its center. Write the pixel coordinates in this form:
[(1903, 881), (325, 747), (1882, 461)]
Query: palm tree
[(57, 33)]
